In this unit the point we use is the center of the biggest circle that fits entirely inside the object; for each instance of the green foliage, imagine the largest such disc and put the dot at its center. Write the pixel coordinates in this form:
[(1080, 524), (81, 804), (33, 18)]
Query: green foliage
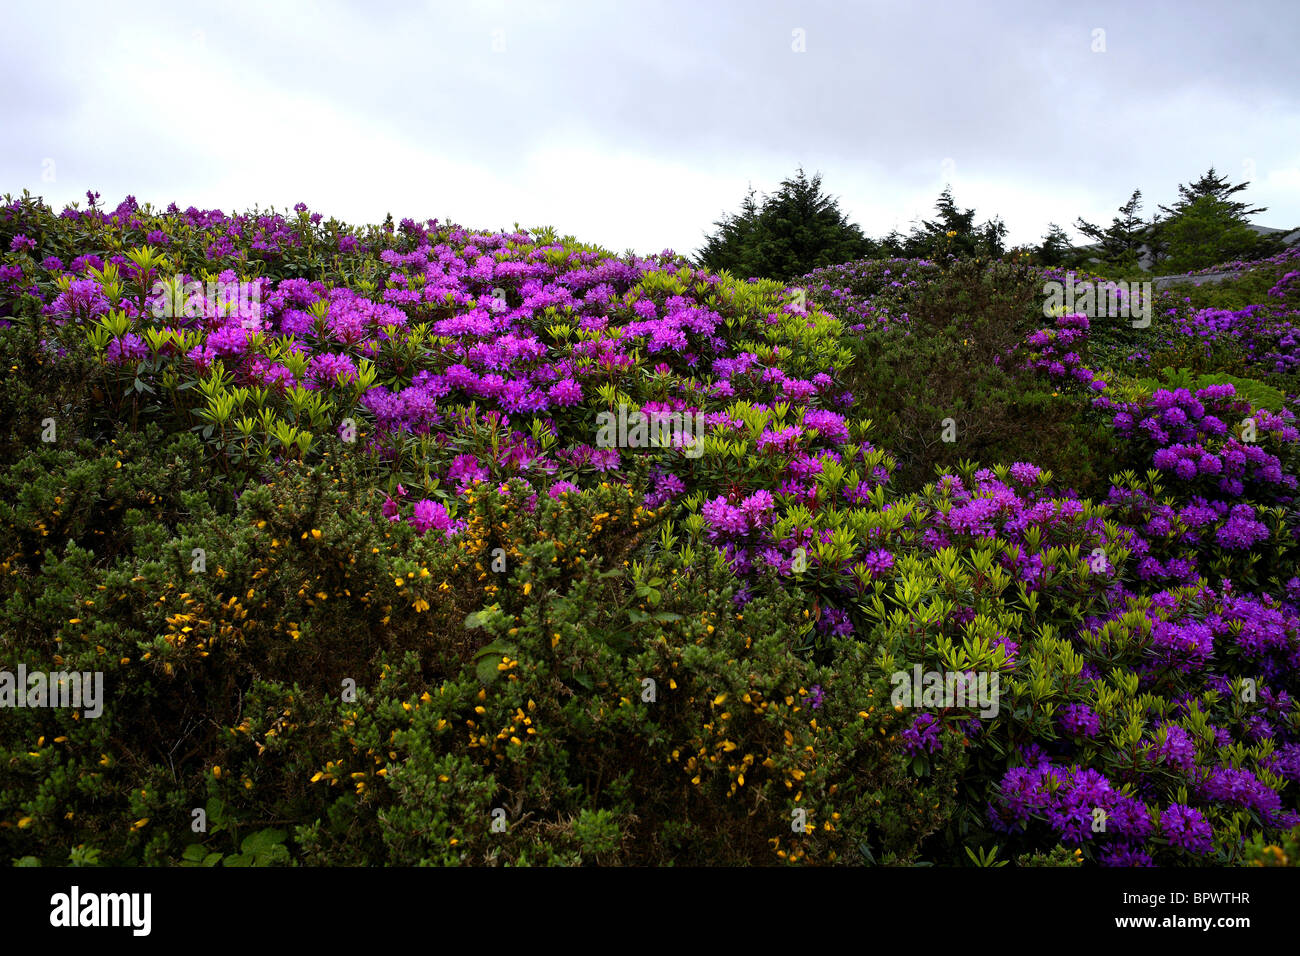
[(1257, 393), (1284, 851), (230, 686), (951, 361), (954, 233), (1055, 248), (584, 680), (1205, 232), (1212, 186), (1057, 857), (1120, 242)]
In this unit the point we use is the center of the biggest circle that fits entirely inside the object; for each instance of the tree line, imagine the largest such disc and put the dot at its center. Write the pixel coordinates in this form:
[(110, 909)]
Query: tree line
[(800, 228)]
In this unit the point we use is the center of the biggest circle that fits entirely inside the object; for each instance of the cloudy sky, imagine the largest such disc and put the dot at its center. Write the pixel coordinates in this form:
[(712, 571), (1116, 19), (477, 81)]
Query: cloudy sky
[(636, 125)]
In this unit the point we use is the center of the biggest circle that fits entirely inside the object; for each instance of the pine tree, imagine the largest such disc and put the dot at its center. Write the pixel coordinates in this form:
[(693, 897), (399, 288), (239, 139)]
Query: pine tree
[(1127, 232), (1206, 232), (732, 246), (893, 245), (954, 233), (795, 231), (992, 239), (1207, 226), (1217, 187), (1055, 247)]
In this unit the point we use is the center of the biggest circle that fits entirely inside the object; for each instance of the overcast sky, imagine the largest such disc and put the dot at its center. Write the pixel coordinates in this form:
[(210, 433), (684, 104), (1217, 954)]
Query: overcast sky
[(637, 125)]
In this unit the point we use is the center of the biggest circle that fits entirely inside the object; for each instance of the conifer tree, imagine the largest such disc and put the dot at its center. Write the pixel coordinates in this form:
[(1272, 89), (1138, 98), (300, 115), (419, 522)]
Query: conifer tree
[(1121, 242), (796, 230), (1055, 247)]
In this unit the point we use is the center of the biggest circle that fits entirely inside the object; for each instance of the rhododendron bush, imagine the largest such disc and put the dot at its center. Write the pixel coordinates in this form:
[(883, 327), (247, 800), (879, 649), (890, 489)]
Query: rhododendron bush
[(416, 543)]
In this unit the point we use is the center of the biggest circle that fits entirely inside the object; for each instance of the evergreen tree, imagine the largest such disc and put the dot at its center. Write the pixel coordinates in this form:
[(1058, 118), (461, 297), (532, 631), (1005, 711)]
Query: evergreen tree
[(954, 232), (892, 246), (1120, 243), (1217, 187), (992, 239), (794, 231), (1208, 231), (1055, 247), (732, 247), (1207, 226)]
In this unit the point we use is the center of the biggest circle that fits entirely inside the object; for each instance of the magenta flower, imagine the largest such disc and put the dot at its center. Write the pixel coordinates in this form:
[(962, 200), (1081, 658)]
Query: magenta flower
[(464, 471)]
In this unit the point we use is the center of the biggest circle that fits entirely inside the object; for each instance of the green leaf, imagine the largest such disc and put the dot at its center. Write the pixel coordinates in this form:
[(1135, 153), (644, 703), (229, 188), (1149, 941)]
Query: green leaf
[(494, 649), (262, 841), (487, 670), (216, 811)]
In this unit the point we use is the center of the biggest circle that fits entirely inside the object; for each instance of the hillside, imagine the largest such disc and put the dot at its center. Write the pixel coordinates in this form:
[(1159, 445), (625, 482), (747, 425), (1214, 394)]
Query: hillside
[(413, 543)]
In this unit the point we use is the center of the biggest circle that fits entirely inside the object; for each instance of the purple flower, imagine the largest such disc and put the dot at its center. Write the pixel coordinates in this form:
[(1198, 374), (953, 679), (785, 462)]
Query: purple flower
[(1126, 856), (605, 459), (1079, 720), (433, 515), (878, 562), (923, 735), (724, 517), (464, 471), (326, 370), (1024, 473), (565, 392), (83, 300), (129, 348), (1240, 787), (835, 621), (1187, 827), (560, 487), (1178, 749)]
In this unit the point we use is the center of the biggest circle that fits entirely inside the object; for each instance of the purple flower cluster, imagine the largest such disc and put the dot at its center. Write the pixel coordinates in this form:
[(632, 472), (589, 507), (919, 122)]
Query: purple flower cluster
[(1078, 720), (1078, 804), (923, 736)]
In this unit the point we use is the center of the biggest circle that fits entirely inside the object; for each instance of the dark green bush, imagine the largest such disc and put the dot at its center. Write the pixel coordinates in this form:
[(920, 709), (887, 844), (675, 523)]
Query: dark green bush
[(229, 689), (957, 358)]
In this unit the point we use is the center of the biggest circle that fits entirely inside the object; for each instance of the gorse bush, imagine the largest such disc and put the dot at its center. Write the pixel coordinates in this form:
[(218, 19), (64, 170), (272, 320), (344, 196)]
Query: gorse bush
[(639, 693), (420, 545)]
